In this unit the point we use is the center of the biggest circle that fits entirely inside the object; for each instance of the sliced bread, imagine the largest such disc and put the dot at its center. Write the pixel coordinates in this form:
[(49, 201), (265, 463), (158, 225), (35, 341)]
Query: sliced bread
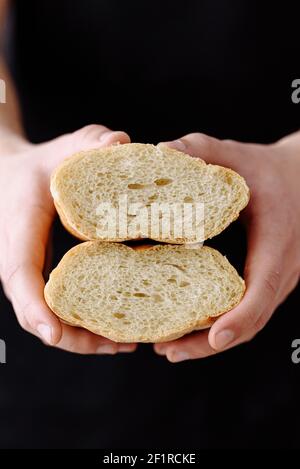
[(146, 175), (151, 295)]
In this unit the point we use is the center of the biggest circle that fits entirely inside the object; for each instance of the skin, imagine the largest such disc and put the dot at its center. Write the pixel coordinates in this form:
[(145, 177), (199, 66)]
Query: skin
[(27, 213), (272, 219)]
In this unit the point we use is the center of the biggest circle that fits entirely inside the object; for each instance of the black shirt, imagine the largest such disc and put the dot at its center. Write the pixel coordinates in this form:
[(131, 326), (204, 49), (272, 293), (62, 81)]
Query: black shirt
[(157, 70)]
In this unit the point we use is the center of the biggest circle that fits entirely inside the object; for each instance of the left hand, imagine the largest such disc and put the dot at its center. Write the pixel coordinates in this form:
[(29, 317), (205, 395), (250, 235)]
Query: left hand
[(26, 213), (272, 220)]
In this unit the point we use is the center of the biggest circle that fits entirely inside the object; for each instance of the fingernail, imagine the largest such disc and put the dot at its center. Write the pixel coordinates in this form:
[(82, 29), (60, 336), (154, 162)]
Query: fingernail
[(223, 338), (107, 349), (105, 135), (126, 348), (177, 144), (179, 357), (45, 332)]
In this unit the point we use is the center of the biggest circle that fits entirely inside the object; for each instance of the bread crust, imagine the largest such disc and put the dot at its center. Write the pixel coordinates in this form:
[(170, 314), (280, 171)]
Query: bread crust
[(66, 219), (75, 231), (175, 333)]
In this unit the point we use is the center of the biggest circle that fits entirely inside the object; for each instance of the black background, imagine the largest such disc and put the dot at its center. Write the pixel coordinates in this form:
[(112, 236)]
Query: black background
[(157, 70)]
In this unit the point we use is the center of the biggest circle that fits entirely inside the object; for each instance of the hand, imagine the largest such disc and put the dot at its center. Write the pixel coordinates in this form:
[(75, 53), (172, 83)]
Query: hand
[(27, 212), (272, 220)]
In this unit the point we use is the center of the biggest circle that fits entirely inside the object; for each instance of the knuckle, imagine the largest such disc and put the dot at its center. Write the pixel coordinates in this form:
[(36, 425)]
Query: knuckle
[(271, 282), (260, 322), (30, 314), (229, 142), (87, 130), (9, 275), (27, 309), (202, 140), (250, 318), (255, 321), (24, 322), (207, 145), (201, 137), (27, 315), (197, 135)]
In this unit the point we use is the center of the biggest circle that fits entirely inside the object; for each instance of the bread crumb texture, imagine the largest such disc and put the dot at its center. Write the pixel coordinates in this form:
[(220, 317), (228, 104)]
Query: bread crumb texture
[(145, 174), (150, 295)]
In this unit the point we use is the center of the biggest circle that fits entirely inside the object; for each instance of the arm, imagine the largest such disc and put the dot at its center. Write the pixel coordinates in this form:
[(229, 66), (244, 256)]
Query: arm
[(272, 221), (11, 131), (27, 212)]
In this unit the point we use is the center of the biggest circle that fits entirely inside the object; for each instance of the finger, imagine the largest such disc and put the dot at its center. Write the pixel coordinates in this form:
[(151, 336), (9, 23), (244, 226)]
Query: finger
[(78, 340), (202, 146), (288, 285), (22, 273), (86, 138), (263, 273), (92, 136), (234, 155), (189, 347)]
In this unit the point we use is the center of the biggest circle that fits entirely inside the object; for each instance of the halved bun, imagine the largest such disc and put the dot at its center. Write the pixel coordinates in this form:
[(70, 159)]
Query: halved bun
[(151, 295), (145, 174)]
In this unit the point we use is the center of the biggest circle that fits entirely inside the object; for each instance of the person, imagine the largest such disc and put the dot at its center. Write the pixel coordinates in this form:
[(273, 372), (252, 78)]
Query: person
[(180, 74)]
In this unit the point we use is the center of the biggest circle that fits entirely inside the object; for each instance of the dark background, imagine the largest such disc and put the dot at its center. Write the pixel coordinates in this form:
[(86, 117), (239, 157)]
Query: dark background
[(157, 70)]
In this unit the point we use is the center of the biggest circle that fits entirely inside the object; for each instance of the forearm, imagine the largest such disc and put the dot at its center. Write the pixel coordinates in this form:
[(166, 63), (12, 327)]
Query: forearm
[(10, 116), (11, 129)]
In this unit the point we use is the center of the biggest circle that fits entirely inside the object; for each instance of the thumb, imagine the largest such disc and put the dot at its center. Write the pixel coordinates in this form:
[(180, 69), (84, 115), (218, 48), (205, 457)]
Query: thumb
[(86, 138), (93, 136), (202, 146)]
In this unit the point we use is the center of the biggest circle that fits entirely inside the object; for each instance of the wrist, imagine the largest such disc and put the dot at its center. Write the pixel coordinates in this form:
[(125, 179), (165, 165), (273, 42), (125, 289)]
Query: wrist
[(11, 142), (289, 145), (287, 156)]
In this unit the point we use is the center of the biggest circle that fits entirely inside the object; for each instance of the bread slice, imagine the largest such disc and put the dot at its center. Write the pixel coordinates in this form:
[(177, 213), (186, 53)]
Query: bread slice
[(146, 175), (151, 295)]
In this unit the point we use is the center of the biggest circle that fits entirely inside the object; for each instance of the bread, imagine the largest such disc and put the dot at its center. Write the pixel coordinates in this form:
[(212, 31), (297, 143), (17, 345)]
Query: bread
[(145, 174), (151, 295), (145, 294)]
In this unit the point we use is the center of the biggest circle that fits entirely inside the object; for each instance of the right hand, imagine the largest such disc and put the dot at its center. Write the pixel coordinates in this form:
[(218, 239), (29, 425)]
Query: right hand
[(27, 213)]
